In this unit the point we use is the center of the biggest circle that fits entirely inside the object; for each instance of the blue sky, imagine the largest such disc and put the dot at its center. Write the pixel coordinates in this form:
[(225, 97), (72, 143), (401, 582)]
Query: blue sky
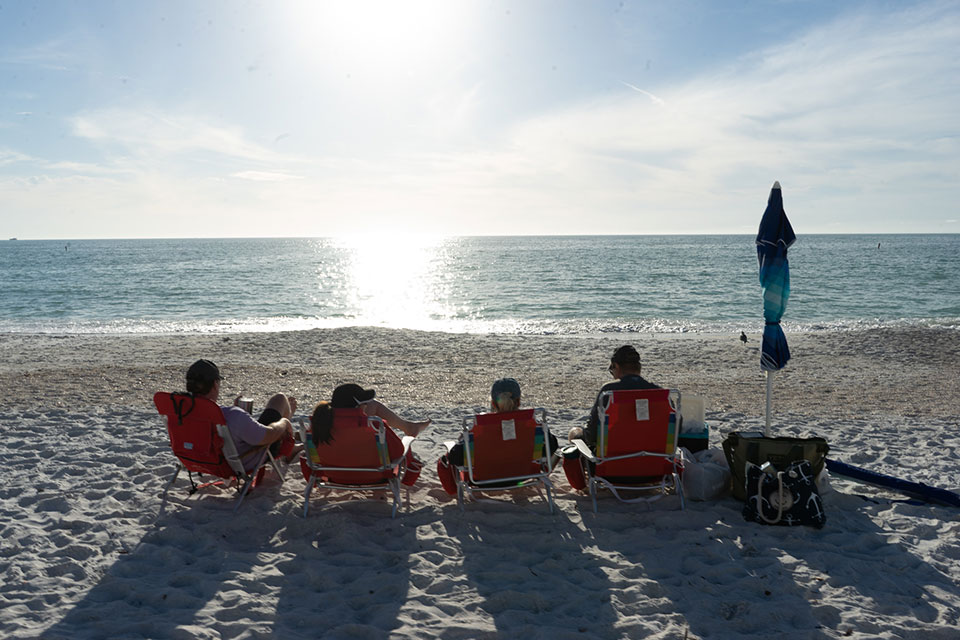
[(160, 119)]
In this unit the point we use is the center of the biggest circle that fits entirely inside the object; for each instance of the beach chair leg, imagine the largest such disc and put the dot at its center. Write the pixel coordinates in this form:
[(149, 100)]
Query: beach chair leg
[(593, 493), (306, 495), (395, 488), (243, 493), (163, 499), (170, 481), (546, 487), (275, 465), (678, 485), (460, 496)]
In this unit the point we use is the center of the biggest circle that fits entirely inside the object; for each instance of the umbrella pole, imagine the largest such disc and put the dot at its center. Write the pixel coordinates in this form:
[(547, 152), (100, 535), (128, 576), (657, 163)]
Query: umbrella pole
[(766, 429)]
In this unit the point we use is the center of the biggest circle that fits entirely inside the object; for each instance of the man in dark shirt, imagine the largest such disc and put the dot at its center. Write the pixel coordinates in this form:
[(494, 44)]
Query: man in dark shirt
[(625, 367)]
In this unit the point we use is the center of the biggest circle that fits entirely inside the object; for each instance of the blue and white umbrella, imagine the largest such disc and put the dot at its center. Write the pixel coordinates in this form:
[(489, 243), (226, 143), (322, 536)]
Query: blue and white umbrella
[(773, 239)]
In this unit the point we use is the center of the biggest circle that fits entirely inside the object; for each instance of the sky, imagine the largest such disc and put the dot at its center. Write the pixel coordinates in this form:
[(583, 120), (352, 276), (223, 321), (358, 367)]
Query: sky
[(134, 119)]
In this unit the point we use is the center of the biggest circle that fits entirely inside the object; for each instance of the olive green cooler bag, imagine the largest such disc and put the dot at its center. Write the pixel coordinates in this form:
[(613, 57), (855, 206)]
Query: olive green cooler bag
[(741, 448)]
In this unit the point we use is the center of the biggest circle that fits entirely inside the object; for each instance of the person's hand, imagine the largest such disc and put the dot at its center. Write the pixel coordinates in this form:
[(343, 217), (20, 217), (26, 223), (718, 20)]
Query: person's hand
[(236, 401)]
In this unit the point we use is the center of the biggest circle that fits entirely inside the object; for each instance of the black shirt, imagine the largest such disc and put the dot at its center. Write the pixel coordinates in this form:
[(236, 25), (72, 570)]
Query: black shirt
[(626, 382)]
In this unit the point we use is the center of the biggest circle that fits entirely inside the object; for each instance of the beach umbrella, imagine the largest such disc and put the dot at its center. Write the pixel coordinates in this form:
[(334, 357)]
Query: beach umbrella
[(773, 239)]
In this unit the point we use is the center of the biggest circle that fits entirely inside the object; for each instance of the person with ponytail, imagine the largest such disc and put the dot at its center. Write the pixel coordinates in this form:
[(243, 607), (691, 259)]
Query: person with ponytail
[(351, 396)]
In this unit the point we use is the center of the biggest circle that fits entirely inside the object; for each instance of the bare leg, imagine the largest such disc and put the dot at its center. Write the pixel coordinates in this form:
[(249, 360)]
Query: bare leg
[(284, 405), (576, 433), (375, 408)]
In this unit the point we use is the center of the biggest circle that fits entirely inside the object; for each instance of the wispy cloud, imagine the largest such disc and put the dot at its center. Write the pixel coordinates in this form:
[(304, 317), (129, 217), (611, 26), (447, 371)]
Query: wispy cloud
[(846, 111), (652, 97), (59, 54), (9, 157), (265, 176), (855, 115), (143, 133)]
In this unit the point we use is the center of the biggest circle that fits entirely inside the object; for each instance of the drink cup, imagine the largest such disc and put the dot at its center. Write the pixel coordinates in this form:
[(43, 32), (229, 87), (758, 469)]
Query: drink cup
[(246, 404)]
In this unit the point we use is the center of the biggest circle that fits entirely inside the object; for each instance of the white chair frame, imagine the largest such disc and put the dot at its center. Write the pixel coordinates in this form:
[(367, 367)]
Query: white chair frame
[(472, 485), (667, 482), (393, 484)]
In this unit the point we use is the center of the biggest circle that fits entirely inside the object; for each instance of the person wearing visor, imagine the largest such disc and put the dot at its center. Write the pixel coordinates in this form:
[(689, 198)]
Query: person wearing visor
[(272, 428)]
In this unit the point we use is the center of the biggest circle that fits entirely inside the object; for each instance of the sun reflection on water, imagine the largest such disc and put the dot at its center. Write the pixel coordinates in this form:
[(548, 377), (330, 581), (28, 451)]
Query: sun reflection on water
[(395, 280)]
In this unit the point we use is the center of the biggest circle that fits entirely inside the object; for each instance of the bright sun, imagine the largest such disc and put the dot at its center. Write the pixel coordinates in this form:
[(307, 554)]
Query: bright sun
[(363, 34)]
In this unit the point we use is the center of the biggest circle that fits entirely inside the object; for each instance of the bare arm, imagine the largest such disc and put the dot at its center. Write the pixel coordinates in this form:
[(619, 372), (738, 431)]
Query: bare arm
[(276, 431)]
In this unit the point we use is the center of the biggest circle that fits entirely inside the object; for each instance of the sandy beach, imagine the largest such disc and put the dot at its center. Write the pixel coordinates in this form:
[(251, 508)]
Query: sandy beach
[(87, 552)]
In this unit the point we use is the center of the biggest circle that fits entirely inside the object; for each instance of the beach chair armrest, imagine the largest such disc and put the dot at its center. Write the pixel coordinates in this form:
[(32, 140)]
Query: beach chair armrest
[(407, 443), (584, 450), (449, 445)]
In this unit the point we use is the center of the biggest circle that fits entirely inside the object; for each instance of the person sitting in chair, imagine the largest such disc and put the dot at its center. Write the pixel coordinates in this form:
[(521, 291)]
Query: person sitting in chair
[(625, 367), (272, 428), (350, 396), (504, 397)]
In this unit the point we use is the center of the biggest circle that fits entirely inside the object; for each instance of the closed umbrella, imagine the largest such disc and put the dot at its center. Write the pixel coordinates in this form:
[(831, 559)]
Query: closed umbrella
[(773, 239)]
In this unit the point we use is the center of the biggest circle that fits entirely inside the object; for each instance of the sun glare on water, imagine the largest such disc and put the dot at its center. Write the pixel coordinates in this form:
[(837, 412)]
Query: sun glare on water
[(395, 280)]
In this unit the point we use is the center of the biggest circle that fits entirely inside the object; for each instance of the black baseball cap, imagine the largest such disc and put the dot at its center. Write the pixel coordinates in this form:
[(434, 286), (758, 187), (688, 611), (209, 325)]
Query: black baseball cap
[(505, 385), (347, 396)]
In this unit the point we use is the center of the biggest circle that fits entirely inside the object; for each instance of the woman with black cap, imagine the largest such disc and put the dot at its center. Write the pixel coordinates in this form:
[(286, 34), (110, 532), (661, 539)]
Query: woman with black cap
[(351, 396)]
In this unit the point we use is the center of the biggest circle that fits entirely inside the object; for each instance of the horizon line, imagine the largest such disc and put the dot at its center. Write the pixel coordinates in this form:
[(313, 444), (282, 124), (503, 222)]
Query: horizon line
[(490, 235)]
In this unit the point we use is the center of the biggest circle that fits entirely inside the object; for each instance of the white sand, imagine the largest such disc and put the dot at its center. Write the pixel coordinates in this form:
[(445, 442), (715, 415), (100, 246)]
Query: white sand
[(85, 551)]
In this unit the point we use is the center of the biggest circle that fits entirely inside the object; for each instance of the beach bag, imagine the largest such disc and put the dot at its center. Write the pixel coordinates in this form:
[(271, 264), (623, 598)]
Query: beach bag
[(706, 475), (787, 498), (573, 467), (412, 471), (445, 473), (753, 447)]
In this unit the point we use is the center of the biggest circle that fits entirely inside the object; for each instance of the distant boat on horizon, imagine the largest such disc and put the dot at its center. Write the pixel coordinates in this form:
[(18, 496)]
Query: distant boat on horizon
[(12, 239)]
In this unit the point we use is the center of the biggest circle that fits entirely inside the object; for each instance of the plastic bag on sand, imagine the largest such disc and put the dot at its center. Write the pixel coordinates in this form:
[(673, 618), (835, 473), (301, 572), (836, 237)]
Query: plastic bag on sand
[(706, 475)]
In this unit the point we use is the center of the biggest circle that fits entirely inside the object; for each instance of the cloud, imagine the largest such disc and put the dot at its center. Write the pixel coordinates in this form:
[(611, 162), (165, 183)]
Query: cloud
[(652, 97), (9, 157), (150, 133), (58, 54), (265, 176), (856, 116)]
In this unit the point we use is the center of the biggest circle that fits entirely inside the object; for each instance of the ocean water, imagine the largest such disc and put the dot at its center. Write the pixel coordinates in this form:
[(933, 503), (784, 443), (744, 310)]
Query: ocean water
[(536, 285)]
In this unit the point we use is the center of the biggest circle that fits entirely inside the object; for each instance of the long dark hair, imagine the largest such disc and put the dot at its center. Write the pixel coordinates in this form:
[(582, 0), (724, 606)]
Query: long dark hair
[(321, 422)]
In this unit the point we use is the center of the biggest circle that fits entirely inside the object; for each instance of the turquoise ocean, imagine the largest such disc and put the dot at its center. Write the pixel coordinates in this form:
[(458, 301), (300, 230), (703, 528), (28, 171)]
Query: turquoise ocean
[(532, 285)]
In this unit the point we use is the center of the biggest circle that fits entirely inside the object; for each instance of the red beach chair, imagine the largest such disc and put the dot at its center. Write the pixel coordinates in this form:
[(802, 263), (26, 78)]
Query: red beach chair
[(504, 452), (364, 455), (202, 443), (636, 446)]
